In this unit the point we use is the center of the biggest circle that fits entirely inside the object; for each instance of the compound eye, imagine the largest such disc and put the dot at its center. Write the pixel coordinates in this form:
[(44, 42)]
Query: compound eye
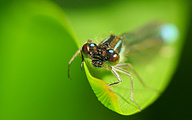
[(92, 46), (85, 48), (114, 57)]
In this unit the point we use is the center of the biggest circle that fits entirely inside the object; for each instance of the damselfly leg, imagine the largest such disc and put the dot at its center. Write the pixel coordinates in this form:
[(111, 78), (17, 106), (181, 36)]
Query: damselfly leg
[(119, 69), (74, 56), (116, 75), (128, 65), (113, 70)]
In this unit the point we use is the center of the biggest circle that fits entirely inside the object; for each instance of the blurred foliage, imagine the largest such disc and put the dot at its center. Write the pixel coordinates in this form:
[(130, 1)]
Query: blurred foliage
[(36, 43), (79, 4)]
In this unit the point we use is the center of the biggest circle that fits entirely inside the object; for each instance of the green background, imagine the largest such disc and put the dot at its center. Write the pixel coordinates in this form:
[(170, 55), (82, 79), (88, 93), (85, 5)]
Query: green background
[(37, 39)]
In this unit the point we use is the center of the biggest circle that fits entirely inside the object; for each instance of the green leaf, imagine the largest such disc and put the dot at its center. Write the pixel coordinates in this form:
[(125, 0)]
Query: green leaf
[(126, 17)]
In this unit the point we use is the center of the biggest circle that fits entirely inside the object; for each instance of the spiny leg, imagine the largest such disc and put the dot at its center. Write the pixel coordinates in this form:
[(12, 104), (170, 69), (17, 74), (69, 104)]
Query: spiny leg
[(116, 75), (131, 80), (78, 51), (137, 75), (82, 61)]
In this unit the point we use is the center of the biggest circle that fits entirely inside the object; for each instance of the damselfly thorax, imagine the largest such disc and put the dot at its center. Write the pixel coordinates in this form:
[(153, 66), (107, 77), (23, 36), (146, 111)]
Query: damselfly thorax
[(138, 44)]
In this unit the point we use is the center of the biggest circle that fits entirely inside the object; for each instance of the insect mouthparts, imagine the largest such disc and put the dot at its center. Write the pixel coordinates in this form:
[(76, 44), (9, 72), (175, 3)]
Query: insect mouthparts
[(97, 63)]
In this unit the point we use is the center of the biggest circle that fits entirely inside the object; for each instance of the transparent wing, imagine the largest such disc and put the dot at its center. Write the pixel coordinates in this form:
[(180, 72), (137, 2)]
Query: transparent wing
[(142, 44)]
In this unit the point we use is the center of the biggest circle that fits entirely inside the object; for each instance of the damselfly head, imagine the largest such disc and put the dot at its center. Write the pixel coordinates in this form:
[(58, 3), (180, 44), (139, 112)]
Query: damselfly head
[(100, 54)]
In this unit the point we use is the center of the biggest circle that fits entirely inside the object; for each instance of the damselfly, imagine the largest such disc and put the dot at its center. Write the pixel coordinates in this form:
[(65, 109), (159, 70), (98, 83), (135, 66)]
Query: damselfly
[(140, 44)]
